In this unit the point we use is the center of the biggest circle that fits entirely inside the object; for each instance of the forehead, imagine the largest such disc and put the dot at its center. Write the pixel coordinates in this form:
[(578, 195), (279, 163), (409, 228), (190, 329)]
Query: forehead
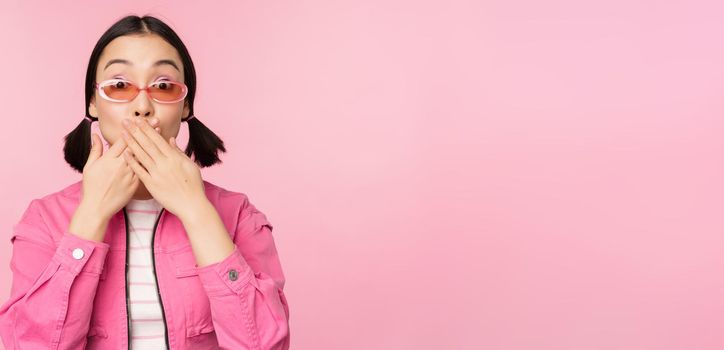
[(142, 52)]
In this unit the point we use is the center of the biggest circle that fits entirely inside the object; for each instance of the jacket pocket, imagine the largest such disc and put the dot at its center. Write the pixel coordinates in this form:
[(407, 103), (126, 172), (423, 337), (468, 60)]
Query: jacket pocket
[(197, 309)]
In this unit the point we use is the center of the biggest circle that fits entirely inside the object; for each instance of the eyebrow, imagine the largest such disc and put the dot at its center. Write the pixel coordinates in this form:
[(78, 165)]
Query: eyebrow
[(158, 63)]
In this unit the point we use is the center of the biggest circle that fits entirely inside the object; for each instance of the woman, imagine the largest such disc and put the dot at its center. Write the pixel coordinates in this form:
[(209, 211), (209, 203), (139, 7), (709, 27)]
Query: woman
[(143, 253)]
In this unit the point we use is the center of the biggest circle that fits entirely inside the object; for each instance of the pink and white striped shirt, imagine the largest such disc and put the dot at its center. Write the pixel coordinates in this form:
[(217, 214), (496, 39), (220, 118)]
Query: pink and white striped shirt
[(147, 326)]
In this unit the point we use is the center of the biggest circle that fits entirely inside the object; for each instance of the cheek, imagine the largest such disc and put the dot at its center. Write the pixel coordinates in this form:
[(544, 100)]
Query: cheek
[(169, 128), (110, 132), (170, 118), (110, 118), (112, 115)]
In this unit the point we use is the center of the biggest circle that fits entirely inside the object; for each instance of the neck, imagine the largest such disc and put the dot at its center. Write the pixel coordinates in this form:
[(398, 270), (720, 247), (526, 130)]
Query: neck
[(142, 193)]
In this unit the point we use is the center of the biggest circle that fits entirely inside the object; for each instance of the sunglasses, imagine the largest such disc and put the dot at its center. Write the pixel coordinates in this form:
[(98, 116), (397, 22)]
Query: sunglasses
[(163, 91)]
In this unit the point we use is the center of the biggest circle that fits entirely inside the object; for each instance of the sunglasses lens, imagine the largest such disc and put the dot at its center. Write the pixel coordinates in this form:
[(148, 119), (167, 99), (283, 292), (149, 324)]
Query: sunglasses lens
[(167, 91), (120, 90), (163, 91)]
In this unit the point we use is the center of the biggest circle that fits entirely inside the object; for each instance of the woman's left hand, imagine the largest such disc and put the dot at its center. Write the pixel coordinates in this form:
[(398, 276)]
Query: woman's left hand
[(172, 178)]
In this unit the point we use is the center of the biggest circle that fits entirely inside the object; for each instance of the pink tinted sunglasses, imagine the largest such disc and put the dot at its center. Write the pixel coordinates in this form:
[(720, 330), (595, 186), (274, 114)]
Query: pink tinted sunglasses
[(121, 90)]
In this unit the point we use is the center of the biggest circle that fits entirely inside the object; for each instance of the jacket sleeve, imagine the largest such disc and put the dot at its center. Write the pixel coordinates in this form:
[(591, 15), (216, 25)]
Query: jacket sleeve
[(53, 286), (248, 306)]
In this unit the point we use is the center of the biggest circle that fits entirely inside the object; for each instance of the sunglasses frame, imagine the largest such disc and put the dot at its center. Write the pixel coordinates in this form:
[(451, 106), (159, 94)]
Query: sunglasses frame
[(101, 85)]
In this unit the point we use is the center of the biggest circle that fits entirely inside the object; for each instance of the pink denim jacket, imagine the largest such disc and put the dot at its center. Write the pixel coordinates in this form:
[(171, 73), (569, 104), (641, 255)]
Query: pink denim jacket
[(70, 293)]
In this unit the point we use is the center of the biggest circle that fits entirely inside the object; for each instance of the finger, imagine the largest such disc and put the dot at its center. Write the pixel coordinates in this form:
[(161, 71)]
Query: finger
[(137, 168), (117, 148), (138, 151), (155, 138), (96, 148), (128, 175), (131, 174), (141, 138)]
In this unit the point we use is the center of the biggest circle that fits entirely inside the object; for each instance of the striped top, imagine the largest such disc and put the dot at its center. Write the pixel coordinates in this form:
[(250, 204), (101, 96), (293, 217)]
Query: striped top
[(147, 328)]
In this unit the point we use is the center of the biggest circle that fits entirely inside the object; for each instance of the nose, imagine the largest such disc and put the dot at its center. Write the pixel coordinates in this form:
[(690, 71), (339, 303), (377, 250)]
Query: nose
[(142, 104)]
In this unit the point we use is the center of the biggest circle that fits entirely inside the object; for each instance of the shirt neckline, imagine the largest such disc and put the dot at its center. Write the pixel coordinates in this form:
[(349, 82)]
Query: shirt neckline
[(144, 202)]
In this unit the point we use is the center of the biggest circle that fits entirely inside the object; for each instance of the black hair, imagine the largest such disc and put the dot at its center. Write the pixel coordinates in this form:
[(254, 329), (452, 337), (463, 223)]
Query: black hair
[(203, 144)]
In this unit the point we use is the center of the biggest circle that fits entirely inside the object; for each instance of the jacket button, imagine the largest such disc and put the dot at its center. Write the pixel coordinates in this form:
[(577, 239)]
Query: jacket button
[(78, 253), (233, 275)]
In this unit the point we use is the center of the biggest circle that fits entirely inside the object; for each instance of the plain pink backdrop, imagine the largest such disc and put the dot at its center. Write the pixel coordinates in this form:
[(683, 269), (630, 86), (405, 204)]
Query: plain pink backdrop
[(440, 175)]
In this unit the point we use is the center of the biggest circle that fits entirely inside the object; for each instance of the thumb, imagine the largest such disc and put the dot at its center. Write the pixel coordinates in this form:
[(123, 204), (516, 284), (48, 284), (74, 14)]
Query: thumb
[(96, 148)]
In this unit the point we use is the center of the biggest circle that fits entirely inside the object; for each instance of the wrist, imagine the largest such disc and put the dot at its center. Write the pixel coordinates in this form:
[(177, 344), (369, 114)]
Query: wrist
[(88, 223), (198, 214)]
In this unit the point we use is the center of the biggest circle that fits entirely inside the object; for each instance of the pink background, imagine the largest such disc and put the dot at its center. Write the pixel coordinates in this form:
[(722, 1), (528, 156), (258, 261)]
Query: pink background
[(441, 175)]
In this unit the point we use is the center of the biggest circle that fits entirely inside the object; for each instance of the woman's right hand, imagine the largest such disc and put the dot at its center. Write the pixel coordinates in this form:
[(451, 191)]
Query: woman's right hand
[(108, 180)]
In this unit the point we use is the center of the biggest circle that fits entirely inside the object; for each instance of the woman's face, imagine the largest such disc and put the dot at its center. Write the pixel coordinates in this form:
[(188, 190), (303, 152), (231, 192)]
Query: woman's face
[(141, 52)]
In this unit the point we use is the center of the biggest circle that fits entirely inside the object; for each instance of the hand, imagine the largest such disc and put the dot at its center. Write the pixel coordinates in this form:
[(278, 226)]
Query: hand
[(171, 177), (108, 180)]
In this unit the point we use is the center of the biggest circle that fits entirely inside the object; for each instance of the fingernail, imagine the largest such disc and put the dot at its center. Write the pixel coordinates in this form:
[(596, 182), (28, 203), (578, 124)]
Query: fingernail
[(153, 121)]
